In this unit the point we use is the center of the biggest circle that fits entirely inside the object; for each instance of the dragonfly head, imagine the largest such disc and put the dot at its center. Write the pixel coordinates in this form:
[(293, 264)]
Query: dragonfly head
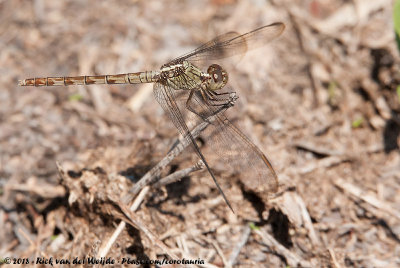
[(218, 77)]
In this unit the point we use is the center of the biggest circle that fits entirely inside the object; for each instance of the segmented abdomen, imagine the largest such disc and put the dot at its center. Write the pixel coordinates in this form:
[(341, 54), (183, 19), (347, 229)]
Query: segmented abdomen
[(129, 78)]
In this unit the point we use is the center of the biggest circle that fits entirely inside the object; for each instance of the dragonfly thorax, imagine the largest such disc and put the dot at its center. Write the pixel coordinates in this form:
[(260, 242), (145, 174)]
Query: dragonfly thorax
[(186, 76), (182, 75)]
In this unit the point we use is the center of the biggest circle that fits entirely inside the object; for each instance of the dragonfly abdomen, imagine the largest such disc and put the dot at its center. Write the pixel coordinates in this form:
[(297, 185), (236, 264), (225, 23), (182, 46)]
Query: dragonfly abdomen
[(129, 78)]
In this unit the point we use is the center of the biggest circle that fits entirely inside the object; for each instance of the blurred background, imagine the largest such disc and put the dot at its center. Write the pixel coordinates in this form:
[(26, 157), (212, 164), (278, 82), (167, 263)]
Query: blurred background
[(322, 101)]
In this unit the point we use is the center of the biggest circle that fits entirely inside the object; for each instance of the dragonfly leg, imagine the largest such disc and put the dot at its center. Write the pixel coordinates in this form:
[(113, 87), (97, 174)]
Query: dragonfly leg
[(214, 93), (231, 96), (209, 100), (204, 113), (218, 97)]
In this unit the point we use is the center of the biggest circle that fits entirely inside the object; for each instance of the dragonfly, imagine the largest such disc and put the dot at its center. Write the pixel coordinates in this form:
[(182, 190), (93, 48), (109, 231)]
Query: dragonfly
[(190, 94)]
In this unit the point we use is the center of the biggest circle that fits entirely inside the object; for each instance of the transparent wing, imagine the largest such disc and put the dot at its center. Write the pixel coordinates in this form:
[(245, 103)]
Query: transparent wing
[(234, 150), (232, 43), (167, 97), (226, 144)]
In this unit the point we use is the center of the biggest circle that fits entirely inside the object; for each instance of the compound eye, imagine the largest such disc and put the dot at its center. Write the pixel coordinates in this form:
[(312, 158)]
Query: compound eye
[(218, 77), (216, 73)]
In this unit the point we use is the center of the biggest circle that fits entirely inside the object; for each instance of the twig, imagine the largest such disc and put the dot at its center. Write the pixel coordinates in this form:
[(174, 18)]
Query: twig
[(133, 220), (26, 236), (292, 205), (334, 261), (103, 251), (220, 253), (242, 241), (150, 176), (309, 63), (181, 242), (178, 175), (307, 221), (291, 258), (324, 163), (43, 190), (182, 143), (317, 149), (217, 249), (135, 205), (366, 197)]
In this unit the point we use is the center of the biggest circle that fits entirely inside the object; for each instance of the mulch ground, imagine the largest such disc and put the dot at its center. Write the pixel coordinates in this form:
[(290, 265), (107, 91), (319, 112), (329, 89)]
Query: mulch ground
[(320, 101)]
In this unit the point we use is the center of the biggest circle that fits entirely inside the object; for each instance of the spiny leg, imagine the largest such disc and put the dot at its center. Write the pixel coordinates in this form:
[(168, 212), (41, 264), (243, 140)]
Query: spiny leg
[(206, 99), (211, 96)]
